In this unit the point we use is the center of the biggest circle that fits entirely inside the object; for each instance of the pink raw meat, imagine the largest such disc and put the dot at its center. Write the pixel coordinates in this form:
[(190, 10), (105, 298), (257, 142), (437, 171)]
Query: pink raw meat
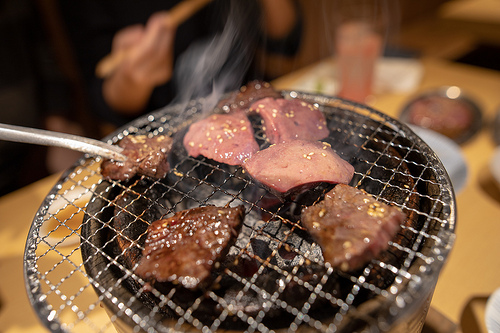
[(226, 138), (296, 164), (293, 119)]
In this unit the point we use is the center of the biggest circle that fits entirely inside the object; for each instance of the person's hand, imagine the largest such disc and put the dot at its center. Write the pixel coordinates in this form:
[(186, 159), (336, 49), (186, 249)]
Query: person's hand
[(149, 63)]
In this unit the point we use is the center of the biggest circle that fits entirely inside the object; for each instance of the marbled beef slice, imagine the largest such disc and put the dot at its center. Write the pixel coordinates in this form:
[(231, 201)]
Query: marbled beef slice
[(187, 246), (351, 226)]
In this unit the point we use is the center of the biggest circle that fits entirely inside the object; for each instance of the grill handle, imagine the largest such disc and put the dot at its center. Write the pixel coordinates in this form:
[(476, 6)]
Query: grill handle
[(56, 139)]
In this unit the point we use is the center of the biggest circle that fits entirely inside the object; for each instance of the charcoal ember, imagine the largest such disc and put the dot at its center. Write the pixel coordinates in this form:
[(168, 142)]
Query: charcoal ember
[(268, 245), (269, 204), (290, 119), (187, 246), (297, 165), (301, 284), (226, 138), (249, 93), (270, 288), (134, 209), (351, 226), (145, 156)]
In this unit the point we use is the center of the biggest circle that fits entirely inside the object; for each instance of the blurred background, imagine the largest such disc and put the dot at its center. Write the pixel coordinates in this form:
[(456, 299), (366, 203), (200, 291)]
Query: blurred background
[(41, 84)]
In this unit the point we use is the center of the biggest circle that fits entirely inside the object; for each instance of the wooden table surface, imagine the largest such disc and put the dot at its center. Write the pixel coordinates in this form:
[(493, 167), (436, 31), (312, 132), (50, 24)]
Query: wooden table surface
[(471, 273)]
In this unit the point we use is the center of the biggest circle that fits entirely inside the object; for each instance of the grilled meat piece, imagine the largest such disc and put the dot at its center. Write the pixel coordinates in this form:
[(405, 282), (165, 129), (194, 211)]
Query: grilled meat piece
[(248, 94), (226, 138), (296, 165), (186, 246), (145, 156), (294, 119), (351, 226)]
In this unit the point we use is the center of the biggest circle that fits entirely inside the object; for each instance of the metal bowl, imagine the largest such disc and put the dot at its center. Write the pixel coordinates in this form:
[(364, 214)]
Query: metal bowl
[(434, 112)]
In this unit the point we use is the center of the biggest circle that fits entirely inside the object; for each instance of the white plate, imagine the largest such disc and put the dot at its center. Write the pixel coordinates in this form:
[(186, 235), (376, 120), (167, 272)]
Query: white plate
[(448, 152), (391, 75)]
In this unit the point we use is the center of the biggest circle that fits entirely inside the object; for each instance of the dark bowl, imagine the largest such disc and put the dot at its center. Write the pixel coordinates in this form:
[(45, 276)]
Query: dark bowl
[(447, 110)]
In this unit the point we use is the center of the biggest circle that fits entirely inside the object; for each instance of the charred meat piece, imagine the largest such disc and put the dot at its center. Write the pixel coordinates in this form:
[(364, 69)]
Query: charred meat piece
[(248, 94), (351, 226), (293, 119), (226, 138), (296, 165), (145, 156), (187, 246)]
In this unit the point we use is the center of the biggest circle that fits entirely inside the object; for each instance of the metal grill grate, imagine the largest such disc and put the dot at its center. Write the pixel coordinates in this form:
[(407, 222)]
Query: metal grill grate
[(80, 277)]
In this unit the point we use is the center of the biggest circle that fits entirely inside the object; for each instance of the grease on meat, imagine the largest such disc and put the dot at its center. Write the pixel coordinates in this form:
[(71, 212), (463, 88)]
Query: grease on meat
[(226, 138), (351, 226), (187, 246)]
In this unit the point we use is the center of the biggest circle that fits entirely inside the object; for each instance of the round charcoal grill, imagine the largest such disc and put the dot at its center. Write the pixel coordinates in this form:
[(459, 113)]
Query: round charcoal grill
[(274, 278)]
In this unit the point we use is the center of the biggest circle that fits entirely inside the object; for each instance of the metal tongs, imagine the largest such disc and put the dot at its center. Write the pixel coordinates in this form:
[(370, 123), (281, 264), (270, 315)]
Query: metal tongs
[(56, 139)]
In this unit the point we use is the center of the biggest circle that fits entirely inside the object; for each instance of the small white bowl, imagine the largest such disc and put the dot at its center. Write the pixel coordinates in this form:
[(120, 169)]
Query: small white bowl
[(449, 153)]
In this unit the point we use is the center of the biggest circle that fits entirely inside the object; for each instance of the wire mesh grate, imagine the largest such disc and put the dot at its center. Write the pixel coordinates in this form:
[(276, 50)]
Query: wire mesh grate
[(80, 276)]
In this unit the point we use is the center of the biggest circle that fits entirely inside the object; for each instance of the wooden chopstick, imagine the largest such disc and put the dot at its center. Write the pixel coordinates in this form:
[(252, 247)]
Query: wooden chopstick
[(177, 15)]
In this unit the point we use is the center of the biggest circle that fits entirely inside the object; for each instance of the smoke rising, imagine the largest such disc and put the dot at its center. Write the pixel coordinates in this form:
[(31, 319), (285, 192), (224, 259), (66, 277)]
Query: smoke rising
[(212, 67)]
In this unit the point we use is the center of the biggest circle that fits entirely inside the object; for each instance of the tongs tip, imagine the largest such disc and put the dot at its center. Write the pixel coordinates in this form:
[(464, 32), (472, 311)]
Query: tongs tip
[(116, 155)]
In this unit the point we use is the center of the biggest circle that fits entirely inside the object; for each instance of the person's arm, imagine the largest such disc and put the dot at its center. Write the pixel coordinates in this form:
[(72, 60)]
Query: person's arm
[(149, 64)]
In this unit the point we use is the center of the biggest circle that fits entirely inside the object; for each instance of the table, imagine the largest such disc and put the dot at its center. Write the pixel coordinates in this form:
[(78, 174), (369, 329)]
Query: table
[(471, 273), (17, 210)]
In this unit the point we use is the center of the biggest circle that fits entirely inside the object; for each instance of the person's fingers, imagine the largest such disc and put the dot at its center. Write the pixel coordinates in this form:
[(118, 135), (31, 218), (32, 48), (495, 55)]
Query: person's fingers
[(156, 55), (150, 50), (159, 33), (128, 37)]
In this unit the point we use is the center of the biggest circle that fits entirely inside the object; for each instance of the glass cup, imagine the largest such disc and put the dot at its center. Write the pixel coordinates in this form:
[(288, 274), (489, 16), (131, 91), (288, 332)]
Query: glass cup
[(357, 49)]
